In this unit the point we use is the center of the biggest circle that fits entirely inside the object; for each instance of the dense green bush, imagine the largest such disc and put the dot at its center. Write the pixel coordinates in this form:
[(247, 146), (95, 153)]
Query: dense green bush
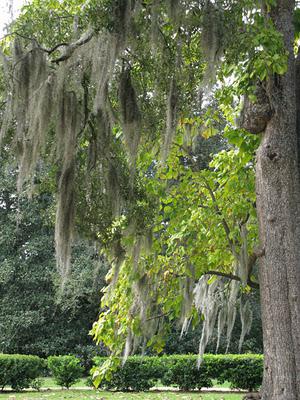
[(66, 370), (87, 353), (141, 373), (183, 372), (19, 371), (138, 374), (241, 371)]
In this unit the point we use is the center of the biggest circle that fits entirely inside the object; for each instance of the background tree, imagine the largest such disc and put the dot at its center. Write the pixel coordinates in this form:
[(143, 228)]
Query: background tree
[(33, 320)]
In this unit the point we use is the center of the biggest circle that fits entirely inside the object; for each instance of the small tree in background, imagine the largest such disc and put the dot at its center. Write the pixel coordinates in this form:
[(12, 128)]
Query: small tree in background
[(66, 370)]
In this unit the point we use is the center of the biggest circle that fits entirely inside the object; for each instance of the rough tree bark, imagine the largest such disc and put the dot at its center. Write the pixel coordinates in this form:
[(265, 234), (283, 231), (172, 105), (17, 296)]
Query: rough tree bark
[(278, 198)]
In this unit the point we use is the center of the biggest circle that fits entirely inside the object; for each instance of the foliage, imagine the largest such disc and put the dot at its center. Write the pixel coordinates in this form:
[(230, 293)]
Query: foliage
[(194, 205), (66, 370), (37, 384), (185, 374), (20, 371), (171, 205), (242, 372), (140, 373), (86, 354), (33, 320)]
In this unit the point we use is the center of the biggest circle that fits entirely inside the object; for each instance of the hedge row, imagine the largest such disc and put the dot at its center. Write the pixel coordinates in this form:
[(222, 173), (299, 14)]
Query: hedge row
[(138, 373), (142, 373), (20, 371)]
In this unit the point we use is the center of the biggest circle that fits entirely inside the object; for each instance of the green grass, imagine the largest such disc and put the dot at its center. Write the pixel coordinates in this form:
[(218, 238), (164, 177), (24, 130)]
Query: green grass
[(98, 395), (221, 385), (82, 383), (49, 383)]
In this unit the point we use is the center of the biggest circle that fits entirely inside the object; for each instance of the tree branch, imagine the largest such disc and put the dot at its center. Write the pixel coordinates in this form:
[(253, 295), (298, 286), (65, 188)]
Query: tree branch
[(224, 222), (158, 316), (33, 39), (254, 285), (233, 277), (70, 48)]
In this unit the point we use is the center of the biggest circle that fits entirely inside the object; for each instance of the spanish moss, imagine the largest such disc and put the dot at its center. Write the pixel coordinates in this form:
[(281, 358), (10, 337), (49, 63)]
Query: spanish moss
[(211, 41), (64, 225), (130, 114), (171, 120)]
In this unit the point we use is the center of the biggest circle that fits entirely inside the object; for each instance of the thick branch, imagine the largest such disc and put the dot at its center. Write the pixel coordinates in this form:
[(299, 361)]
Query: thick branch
[(53, 49), (158, 316), (233, 277), (70, 48), (34, 40)]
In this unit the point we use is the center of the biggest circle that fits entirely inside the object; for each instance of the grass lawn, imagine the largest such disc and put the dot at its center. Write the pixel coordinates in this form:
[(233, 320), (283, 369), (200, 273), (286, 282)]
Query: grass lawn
[(98, 395), (82, 383), (49, 383)]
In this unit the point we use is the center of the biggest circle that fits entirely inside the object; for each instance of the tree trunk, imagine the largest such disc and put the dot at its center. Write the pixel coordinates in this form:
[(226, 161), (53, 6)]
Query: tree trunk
[(278, 197)]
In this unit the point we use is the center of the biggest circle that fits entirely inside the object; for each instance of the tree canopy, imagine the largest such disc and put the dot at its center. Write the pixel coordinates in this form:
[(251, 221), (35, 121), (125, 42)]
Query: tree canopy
[(120, 100)]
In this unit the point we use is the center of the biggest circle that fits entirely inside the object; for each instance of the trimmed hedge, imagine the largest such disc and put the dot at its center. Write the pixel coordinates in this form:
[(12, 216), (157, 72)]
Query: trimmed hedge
[(137, 374), (183, 372), (19, 371), (242, 371), (141, 373), (66, 370)]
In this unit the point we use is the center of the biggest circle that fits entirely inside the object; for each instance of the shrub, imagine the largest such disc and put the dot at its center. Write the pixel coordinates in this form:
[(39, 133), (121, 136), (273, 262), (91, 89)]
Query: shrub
[(19, 371), (86, 354), (184, 373), (66, 370), (37, 384), (137, 374), (242, 371), (141, 373)]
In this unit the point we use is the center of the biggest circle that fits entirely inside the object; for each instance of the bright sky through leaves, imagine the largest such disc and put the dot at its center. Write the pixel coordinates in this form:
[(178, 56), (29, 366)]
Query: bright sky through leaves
[(9, 9)]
